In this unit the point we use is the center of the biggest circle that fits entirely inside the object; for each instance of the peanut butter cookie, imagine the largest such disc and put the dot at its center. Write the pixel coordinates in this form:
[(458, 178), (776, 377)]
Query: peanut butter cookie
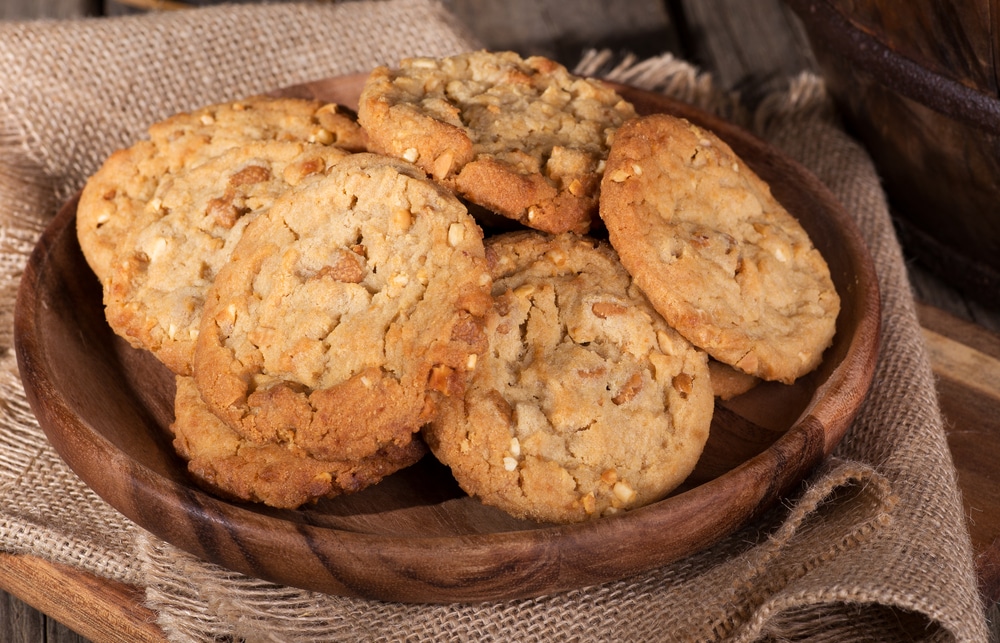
[(158, 277), (587, 403), (521, 137), (123, 186), (279, 475), (346, 312), (717, 255)]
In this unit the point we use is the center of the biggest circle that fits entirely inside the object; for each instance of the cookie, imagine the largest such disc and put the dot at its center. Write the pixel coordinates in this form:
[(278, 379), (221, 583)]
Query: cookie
[(122, 187), (729, 382), (346, 312), (521, 137), (156, 282), (282, 476), (586, 403), (717, 255)]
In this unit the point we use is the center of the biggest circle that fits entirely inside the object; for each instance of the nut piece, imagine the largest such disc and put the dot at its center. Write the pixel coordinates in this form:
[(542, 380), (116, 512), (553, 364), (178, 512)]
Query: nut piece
[(322, 136), (605, 309), (456, 234), (619, 176), (629, 390), (442, 165), (402, 218), (623, 491), (682, 384)]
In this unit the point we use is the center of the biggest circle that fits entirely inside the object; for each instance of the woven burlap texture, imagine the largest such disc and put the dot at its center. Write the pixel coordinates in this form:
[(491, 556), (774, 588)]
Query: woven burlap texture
[(873, 547)]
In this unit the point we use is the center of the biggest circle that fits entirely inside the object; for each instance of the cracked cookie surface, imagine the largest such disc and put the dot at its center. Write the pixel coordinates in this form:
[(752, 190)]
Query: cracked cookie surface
[(717, 255), (521, 137), (346, 313), (279, 475), (156, 284), (122, 187), (586, 403)]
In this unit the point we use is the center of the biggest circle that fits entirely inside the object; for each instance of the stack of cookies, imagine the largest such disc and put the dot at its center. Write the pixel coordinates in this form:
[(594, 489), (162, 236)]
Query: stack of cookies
[(496, 260)]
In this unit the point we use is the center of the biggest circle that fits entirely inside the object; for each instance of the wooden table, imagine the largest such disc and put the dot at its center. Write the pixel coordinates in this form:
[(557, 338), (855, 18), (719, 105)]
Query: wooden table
[(739, 41)]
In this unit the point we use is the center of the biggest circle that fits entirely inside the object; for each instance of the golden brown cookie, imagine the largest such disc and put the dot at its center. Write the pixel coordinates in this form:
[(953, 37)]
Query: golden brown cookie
[(168, 257), (717, 255), (729, 382), (279, 475), (122, 187), (521, 137), (346, 312), (587, 403)]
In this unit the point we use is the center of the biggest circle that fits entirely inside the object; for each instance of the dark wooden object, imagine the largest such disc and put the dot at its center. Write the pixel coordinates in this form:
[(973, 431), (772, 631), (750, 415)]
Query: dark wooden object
[(917, 82)]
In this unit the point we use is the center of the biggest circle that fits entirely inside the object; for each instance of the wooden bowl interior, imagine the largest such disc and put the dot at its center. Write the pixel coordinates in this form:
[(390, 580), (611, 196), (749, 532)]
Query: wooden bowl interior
[(415, 536)]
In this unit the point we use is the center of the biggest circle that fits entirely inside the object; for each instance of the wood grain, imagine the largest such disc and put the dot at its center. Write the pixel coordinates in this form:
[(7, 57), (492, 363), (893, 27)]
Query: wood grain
[(31, 9), (932, 135), (530, 27), (725, 35), (96, 608), (948, 37), (966, 359)]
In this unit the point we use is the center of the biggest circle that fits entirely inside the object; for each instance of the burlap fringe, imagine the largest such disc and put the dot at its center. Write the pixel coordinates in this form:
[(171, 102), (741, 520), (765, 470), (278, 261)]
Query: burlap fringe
[(664, 74), (803, 97)]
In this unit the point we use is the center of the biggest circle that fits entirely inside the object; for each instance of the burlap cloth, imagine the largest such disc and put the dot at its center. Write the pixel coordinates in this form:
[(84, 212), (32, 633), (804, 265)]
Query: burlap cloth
[(873, 547)]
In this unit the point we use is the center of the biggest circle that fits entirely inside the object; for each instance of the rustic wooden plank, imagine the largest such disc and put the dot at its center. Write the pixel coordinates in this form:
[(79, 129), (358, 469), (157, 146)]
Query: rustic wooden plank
[(563, 31), (930, 289), (32, 9), (56, 632), (966, 359), (742, 42), (101, 609), (19, 622)]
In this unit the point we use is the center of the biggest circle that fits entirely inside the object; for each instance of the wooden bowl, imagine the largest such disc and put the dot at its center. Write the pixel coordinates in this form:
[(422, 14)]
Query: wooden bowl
[(416, 537), (916, 82)]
